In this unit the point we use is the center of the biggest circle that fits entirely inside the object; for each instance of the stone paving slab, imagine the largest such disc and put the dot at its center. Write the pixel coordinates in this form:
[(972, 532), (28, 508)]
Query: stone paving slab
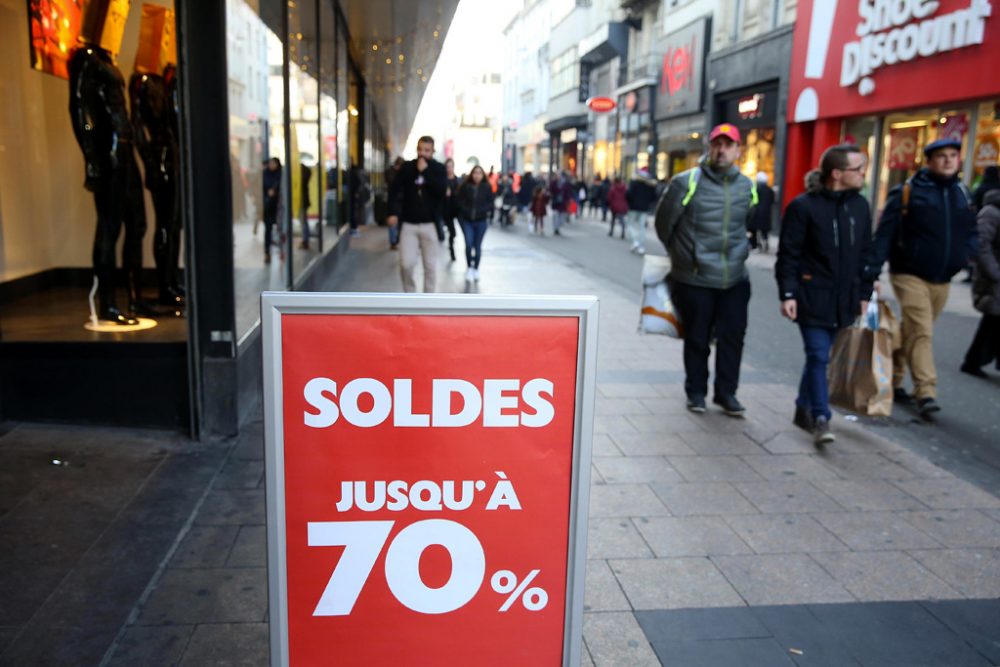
[(674, 583), (884, 576), (770, 579)]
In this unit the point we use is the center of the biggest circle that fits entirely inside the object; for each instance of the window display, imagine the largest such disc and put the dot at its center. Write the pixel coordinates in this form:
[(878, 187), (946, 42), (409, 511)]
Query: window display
[(986, 151), (758, 153)]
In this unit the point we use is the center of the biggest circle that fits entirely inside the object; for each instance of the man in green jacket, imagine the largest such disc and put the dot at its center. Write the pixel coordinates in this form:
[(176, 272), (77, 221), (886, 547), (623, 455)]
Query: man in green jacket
[(702, 221)]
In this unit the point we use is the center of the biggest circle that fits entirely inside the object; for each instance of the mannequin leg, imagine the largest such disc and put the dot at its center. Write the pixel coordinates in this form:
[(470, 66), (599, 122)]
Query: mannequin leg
[(164, 245), (105, 240), (134, 218)]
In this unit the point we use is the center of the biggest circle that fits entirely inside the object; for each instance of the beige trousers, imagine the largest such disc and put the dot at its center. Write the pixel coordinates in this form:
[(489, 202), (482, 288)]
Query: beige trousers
[(418, 241), (921, 303)]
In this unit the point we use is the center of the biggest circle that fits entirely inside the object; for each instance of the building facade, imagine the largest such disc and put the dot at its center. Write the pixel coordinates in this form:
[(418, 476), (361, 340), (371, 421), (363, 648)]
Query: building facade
[(892, 82)]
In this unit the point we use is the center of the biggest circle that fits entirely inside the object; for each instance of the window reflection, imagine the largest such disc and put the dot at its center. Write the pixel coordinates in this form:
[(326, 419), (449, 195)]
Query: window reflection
[(255, 55)]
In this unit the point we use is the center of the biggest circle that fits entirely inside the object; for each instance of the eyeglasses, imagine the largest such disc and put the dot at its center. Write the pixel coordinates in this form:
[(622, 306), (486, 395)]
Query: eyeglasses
[(859, 168)]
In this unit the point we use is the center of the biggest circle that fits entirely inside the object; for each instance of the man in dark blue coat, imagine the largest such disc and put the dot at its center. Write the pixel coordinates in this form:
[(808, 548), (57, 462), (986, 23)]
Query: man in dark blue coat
[(928, 233)]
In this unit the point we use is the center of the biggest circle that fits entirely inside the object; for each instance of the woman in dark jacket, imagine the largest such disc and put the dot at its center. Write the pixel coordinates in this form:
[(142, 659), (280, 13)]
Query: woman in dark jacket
[(824, 271), (475, 202), (985, 346)]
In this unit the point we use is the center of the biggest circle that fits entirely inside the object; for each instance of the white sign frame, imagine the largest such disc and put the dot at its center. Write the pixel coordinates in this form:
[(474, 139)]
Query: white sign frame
[(276, 304)]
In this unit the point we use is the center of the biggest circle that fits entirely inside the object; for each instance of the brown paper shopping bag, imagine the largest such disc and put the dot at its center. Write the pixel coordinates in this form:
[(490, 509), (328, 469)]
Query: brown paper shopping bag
[(860, 371)]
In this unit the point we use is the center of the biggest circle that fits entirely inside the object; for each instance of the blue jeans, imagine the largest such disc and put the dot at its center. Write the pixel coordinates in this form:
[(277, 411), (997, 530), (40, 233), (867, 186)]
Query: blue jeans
[(814, 395), (474, 233), (394, 234)]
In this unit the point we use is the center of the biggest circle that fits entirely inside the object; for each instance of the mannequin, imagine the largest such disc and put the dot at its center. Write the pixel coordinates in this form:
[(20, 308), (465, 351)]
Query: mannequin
[(100, 123), (155, 130)]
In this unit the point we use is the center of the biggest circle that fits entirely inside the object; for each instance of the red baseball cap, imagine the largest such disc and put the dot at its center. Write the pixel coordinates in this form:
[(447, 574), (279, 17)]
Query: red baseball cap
[(725, 130)]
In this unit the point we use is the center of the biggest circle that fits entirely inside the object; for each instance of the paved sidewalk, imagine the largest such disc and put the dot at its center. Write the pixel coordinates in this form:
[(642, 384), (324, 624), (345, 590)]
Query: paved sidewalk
[(712, 540)]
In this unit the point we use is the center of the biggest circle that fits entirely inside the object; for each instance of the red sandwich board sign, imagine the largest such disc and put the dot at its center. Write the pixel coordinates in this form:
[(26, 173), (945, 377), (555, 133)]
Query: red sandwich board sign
[(428, 476)]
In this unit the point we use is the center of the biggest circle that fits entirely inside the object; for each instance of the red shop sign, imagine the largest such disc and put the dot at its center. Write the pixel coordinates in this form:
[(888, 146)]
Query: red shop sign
[(427, 499), (866, 56), (601, 104)]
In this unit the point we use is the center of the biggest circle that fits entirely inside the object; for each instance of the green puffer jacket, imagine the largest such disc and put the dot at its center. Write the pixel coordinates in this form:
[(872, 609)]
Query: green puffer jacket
[(707, 238)]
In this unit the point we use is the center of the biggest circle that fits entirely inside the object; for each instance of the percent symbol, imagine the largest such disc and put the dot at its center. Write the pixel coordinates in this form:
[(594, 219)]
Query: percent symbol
[(533, 599)]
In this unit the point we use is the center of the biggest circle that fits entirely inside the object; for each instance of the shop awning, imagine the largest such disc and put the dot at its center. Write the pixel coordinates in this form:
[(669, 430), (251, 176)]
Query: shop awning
[(605, 43), (566, 122)]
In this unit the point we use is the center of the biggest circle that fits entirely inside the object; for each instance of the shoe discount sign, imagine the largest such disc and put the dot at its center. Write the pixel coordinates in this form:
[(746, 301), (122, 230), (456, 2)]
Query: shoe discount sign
[(428, 473)]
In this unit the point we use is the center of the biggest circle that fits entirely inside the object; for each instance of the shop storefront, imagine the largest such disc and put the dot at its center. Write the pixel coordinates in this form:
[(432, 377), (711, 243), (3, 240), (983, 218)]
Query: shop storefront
[(750, 91), (680, 96), (567, 144), (635, 139), (755, 112), (892, 82), (602, 52), (223, 181)]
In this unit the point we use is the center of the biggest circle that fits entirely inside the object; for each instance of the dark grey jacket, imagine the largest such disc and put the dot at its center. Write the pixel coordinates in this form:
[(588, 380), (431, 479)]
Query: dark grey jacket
[(986, 286), (707, 239)]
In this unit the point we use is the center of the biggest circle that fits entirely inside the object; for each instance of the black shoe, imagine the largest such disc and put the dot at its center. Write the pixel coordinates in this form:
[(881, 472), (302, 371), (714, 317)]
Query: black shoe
[(900, 395), (557, 233), (821, 432), (927, 406), (113, 315), (730, 405), (696, 404), (803, 419), (974, 371)]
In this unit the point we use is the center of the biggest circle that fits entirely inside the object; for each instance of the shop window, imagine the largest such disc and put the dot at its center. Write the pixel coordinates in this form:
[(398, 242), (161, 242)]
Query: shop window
[(56, 191), (304, 135), (260, 175), (758, 153), (986, 150), (328, 106), (862, 133)]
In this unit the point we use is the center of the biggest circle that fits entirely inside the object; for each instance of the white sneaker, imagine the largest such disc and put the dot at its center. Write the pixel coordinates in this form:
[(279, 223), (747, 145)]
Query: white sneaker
[(640, 250), (475, 275), (470, 274), (635, 246)]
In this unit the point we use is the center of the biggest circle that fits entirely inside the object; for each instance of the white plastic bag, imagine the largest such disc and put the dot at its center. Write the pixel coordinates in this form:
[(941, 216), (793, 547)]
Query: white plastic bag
[(657, 313), (871, 315)]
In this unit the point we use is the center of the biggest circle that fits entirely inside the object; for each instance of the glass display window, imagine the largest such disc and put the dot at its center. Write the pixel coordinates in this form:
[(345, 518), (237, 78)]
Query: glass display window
[(261, 204), (863, 133), (986, 150), (758, 153), (304, 136), (90, 121)]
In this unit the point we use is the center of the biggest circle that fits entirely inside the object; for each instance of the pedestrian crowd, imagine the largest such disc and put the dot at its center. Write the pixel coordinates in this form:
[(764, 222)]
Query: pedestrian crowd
[(710, 217)]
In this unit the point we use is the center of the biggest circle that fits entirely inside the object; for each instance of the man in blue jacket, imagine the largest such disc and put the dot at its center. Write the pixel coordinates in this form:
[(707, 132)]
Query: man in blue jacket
[(928, 233)]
